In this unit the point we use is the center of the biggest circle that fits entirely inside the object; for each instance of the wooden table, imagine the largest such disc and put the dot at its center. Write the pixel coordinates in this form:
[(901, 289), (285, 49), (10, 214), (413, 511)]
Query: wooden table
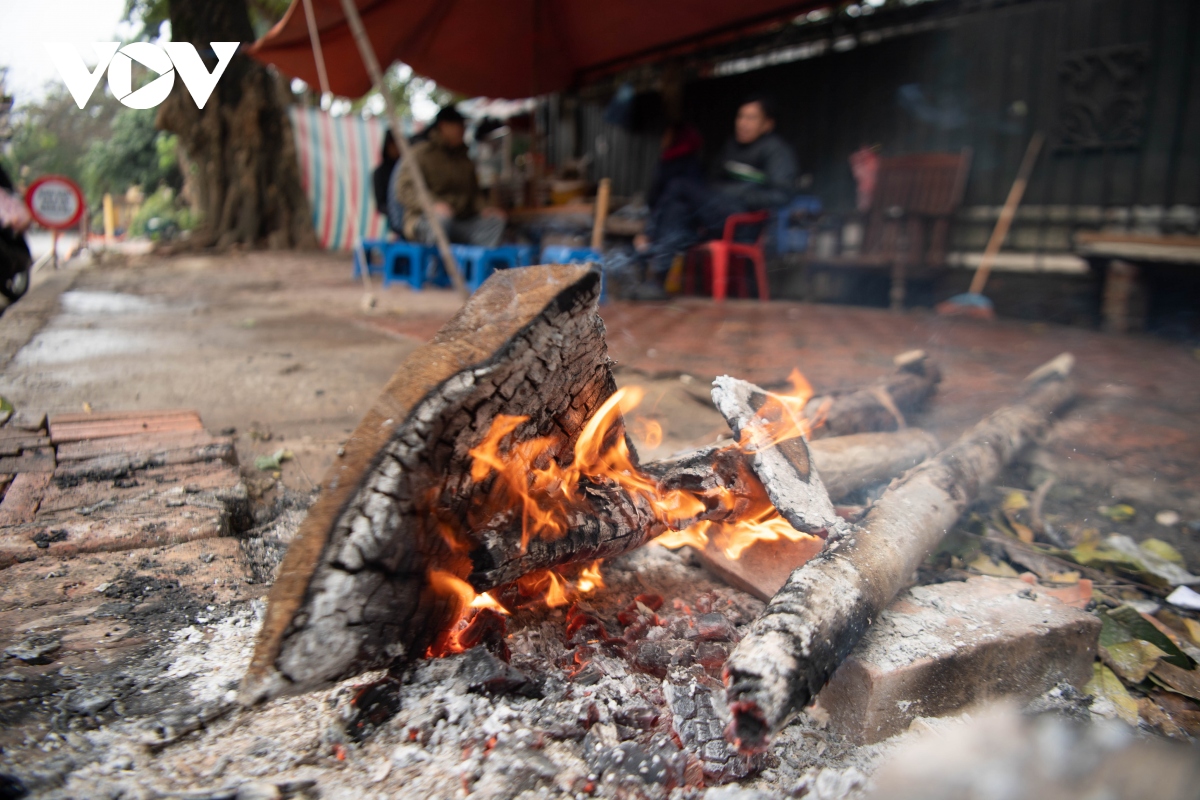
[(1123, 251), (575, 214)]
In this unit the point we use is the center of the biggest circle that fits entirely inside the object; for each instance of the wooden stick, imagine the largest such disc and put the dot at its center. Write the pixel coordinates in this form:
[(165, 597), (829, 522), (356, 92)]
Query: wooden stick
[(826, 606), (314, 36), (601, 213), (879, 407), (367, 52), (1006, 214)]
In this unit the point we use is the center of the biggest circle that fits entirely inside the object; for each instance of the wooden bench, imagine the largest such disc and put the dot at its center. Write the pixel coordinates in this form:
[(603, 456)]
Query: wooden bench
[(908, 223), (1119, 256)]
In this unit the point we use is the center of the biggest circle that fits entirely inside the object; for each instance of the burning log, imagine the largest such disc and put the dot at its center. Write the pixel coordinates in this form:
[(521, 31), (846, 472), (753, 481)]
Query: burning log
[(822, 611), (878, 407), (360, 585)]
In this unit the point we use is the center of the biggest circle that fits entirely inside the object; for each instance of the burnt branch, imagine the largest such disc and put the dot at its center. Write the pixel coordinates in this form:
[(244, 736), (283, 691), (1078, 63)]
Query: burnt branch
[(881, 406), (826, 605)]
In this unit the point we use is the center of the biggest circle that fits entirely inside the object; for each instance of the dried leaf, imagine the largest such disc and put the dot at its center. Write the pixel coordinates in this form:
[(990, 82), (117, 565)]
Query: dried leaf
[(1106, 685), (1132, 660), (1158, 719), (1185, 597), (1121, 512), (1184, 681), (1163, 550), (1137, 626), (273, 461), (1062, 578), (985, 565), (1124, 554), (1193, 630), (1015, 501)]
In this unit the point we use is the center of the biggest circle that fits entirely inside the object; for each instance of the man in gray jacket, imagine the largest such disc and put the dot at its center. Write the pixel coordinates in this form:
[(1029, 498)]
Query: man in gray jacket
[(756, 170)]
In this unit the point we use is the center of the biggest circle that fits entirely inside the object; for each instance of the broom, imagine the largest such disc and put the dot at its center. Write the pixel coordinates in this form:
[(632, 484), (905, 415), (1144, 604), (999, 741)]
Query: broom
[(973, 303)]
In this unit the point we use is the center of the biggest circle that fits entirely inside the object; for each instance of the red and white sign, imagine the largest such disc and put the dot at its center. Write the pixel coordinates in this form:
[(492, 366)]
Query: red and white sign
[(54, 202)]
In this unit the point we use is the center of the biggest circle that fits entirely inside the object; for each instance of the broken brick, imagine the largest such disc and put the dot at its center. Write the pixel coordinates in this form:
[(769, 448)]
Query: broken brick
[(937, 649)]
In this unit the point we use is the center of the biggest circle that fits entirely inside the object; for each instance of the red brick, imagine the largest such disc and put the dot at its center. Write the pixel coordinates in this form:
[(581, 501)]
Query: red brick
[(939, 649), (23, 497)]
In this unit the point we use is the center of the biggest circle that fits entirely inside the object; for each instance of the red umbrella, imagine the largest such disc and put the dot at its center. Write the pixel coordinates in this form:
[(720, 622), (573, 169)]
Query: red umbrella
[(504, 48)]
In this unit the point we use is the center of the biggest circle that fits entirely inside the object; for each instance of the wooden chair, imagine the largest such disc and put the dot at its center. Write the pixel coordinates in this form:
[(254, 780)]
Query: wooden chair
[(907, 226)]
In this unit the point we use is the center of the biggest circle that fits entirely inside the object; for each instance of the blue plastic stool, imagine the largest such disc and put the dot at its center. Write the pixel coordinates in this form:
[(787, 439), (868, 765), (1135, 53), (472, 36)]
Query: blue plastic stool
[(403, 262), (477, 263), (565, 254), (787, 238)]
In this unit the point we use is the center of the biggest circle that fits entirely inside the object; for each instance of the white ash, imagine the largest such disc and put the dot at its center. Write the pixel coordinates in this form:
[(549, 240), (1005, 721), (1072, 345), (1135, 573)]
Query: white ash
[(448, 742)]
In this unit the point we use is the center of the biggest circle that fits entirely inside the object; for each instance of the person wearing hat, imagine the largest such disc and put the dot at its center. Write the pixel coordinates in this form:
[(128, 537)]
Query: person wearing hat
[(453, 187)]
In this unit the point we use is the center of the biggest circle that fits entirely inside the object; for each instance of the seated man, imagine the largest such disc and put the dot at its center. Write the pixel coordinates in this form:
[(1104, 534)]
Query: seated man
[(756, 170), (450, 175)]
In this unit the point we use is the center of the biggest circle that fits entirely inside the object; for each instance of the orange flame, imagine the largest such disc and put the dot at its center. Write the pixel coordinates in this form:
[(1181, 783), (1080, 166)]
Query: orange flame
[(590, 579), (649, 431), (530, 480), (781, 417), (529, 477)]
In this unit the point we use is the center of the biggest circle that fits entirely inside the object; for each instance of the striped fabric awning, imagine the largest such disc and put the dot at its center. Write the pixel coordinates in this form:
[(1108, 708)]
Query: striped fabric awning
[(337, 156)]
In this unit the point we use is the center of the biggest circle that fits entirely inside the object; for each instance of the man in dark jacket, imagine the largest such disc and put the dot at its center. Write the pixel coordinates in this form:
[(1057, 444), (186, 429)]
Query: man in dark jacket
[(756, 170), (450, 176)]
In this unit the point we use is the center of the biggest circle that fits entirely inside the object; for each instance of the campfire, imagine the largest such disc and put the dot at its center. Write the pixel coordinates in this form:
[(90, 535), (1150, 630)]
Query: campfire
[(497, 475)]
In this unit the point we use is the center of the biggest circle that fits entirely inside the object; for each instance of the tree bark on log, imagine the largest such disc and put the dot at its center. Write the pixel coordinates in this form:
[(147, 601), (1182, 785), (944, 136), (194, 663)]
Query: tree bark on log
[(854, 462), (882, 406), (823, 610), (240, 155)]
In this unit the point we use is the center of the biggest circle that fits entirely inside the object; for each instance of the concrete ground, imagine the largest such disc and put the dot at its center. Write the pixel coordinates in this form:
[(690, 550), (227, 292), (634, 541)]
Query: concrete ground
[(283, 348)]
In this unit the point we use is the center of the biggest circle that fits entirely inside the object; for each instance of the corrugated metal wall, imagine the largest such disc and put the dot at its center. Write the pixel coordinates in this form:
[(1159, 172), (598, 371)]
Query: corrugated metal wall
[(984, 78)]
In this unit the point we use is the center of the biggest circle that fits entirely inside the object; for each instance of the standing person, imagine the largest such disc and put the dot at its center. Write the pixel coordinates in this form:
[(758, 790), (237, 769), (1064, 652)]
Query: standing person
[(756, 170), (388, 159), (450, 176)]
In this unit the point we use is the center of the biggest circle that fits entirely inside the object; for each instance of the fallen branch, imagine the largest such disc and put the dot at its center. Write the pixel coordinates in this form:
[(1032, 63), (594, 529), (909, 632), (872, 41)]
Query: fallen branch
[(822, 611), (878, 407)]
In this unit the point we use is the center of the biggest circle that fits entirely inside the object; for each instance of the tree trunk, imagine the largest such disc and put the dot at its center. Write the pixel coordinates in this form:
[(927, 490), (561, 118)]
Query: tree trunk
[(245, 177)]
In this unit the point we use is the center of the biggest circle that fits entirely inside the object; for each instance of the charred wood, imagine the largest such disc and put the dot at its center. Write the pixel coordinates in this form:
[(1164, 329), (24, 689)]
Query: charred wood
[(883, 406), (826, 605)]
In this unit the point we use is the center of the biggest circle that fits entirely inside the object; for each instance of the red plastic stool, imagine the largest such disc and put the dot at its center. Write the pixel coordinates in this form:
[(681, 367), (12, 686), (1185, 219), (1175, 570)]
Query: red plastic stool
[(722, 252)]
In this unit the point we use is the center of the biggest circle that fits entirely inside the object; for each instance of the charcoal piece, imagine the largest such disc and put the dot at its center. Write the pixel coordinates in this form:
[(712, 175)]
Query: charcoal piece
[(373, 705), (653, 658), (487, 628), (712, 656), (639, 717), (658, 761), (701, 730), (485, 673), (715, 627)]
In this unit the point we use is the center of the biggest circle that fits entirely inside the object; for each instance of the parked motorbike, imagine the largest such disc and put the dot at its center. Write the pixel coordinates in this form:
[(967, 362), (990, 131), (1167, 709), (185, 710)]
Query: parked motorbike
[(15, 258)]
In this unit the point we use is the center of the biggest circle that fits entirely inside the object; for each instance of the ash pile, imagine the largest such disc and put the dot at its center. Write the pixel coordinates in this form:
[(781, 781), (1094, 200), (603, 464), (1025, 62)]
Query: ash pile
[(491, 595)]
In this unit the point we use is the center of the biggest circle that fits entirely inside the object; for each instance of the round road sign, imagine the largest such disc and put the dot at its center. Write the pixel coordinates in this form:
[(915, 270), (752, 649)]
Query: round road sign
[(54, 202)]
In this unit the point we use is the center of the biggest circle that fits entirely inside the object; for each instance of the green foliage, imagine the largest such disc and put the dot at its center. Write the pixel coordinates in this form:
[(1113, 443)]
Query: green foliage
[(104, 147), (151, 14), (162, 216), (49, 137), (133, 154)]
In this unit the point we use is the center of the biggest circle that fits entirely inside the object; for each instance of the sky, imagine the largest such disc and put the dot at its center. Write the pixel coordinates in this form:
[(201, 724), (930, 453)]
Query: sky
[(26, 24)]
